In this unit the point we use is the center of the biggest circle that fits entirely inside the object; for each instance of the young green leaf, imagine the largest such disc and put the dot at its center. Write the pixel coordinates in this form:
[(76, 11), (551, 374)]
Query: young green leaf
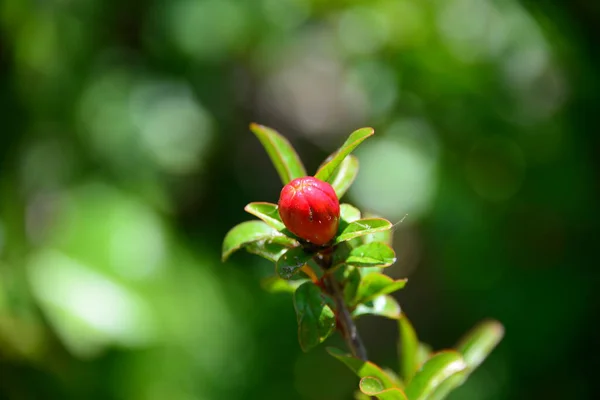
[(251, 232), (315, 316), (275, 284), (362, 368), (282, 154), (373, 386), (384, 306), (349, 213), (382, 236), (267, 212), (344, 175), (448, 385), (375, 254), (374, 285), (440, 368), (479, 342), (327, 169), (363, 227), (407, 349), (291, 262)]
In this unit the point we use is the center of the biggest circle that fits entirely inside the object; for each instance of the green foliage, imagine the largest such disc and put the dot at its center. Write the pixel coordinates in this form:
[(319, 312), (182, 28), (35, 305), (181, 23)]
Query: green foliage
[(314, 312), (373, 386), (344, 175), (292, 260), (354, 261), (327, 170), (362, 368), (408, 347), (363, 227), (476, 345), (437, 376), (282, 154), (384, 306), (251, 232)]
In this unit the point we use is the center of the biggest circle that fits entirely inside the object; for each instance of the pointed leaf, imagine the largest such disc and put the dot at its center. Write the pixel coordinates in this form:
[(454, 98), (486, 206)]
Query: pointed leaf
[(479, 342), (373, 386), (362, 368), (384, 306), (374, 285), (344, 175), (315, 316), (250, 232), (275, 284), (375, 254), (408, 344), (282, 154), (268, 212), (292, 261), (363, 227), (326, 170), (434, 373)]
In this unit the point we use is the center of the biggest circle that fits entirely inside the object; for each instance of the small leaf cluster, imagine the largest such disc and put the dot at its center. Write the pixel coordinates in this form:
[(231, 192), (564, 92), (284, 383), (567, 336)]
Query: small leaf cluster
[(422, 373), (354, 260)]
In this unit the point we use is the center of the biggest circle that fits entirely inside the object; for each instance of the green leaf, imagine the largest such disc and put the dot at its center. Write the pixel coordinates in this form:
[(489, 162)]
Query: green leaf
[(384, 306), (269, 250), (350, 282), (424, 351), (282, 154), (374, 285), (358, 395), (291, 261), (248, 232), (375, 254), (448, 385), (373, 386), (440, 368), (275, 284), (327, 169), (479, 342), (349, 213), (268, 212), (362, 368), (386, 237), (363, 227), (408, 345), (344, 175), (315, 316)]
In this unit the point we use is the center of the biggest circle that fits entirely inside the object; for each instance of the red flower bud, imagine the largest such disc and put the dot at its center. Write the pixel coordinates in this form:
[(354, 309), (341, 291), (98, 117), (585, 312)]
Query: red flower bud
[(310, 209)]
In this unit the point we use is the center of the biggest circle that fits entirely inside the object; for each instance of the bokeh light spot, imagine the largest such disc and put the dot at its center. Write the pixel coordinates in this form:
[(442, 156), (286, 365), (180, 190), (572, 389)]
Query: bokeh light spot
[(397, 173), (207, 29), (88, 310), (174, 128)]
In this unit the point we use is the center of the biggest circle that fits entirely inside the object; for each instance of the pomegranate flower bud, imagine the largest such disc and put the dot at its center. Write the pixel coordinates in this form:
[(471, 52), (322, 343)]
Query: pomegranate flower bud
[(310, 209)]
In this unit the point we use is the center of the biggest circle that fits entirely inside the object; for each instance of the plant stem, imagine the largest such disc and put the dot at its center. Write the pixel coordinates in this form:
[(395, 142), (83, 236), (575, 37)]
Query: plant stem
[(346, 323), (347, 326)]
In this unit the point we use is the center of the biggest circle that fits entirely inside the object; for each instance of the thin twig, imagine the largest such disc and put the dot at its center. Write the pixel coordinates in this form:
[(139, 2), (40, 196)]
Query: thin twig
[(346, 323)]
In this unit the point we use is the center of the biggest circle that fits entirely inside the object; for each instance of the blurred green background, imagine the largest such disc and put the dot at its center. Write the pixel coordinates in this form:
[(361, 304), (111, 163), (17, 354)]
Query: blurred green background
[(125, 157)]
